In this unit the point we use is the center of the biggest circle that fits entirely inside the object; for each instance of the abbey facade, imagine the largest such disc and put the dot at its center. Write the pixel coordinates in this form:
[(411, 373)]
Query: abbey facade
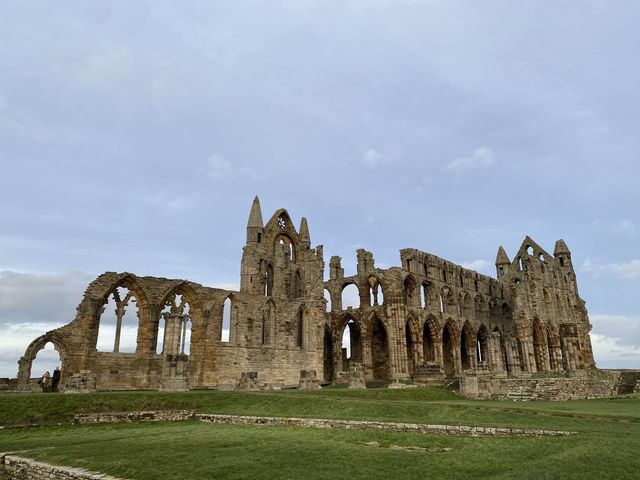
[(423, 322)]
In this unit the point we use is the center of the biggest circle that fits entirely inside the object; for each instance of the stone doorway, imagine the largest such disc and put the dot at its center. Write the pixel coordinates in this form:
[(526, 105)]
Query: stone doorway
[(448, 357), (380, 351)]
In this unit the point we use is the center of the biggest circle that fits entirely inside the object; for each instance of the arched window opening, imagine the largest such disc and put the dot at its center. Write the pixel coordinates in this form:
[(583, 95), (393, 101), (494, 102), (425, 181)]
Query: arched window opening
[(410, 292), (46, 360), (327, 297), (268, 281), (284, 242), (375, 293), (299, 329), (482, 347), (461, 279), (529, 250), (561, 261), (174, 327), (428, 345), (520, 264), (118, 329), (225, 333), (464, 350), (410, 349), (297, 285), (351, 345), (328, 355), (424, 295), (444, 275), (350, 296), (441, 303), (448, 356)]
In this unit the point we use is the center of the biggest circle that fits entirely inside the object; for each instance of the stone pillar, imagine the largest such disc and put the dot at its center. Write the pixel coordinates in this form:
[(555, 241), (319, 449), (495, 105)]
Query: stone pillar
[(493, 347), (438, 355), (172, 334)]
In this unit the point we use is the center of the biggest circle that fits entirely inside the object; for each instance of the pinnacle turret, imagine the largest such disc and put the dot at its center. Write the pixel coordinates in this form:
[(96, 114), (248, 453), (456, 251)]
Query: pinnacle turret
[(255, 225), (305, 238), (255, 216), (561, 248), (502, 258)]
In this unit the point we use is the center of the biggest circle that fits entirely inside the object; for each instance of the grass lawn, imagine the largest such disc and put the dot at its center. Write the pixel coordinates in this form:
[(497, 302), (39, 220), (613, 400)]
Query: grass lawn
[(607, 444)]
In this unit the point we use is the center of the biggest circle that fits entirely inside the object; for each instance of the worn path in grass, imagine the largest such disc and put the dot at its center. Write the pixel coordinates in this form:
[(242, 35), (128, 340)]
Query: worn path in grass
[(605, 447)]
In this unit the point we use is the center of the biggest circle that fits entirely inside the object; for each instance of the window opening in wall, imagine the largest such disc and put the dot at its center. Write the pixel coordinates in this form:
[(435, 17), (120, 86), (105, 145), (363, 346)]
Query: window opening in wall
[(409, 265), (479, 347), (561, 262), (461, 280), (350, 296), (327, 297), (46, 360), (441, 304), (268, 281), (520, 264), (118, 328), (282, 223), (475, 285), (225, 334), (259, 237), (529, 250), (444, 275), (174, 327)]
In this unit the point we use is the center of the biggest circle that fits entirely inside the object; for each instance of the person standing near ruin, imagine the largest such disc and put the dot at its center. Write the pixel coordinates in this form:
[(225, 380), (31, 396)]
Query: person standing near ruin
[(45, 382), (55, 379)]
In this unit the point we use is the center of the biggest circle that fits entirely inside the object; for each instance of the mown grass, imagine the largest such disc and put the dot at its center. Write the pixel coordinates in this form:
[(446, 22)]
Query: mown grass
[(606, 446)]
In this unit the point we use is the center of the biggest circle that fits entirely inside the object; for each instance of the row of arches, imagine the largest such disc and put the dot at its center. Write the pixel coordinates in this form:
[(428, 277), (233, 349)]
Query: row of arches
[(455, 349)]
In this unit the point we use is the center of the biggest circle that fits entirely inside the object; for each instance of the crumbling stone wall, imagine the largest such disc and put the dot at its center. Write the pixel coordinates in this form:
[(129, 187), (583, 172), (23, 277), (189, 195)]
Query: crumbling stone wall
[(425, 320)]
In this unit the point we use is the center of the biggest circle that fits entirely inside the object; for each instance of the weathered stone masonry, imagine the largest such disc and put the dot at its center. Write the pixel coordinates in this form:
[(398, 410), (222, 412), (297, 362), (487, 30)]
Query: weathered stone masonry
[(423, 321)]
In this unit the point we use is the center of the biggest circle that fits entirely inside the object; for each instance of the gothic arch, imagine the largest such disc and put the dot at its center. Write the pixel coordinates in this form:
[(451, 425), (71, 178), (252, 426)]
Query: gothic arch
[(412, 340), (379, 340), (26, 361), (410, 292)]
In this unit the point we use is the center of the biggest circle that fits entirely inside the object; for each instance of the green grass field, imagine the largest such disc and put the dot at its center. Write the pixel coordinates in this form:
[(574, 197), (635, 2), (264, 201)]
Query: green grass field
[(607, 444)]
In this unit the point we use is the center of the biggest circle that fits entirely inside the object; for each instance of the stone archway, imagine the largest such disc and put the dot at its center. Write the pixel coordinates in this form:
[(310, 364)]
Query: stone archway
[(379, 351), (26, 361), (448, 352), (328, 355)]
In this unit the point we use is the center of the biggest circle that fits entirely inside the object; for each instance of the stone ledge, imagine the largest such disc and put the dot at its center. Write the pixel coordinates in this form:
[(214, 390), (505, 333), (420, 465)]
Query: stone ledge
[(143, 416), (19, 468), (372, 425)]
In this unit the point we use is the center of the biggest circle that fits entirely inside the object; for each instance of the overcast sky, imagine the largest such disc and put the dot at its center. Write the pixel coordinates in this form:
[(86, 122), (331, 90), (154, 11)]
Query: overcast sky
[(134, 135)]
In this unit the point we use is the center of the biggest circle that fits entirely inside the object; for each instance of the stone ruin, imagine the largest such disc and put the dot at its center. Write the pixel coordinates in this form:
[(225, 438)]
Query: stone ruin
[(425, 322)]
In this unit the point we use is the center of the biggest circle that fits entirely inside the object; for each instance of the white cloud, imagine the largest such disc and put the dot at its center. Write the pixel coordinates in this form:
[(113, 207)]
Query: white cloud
[(374, 158), (218, 166), (479, 265), (624, 270), (168, 201), (481, 157), (107, 70), (625, 226), (610, 352), (422, 183)]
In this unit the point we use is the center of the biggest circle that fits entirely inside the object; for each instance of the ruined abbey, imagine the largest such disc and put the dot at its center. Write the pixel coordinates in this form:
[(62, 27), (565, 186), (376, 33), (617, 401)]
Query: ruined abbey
[(425, 322)]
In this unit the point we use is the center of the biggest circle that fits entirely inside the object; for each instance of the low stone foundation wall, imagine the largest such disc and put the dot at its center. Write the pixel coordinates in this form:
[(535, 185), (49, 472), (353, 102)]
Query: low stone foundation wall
[(584, 384), (368, 425), (19, 468), (145, 416)]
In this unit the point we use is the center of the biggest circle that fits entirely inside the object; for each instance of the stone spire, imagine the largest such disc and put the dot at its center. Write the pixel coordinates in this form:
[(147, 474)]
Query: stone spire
[(502, 258), (502, 261), (255, 217), (305, 238), (255, 226), (561, 248)]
